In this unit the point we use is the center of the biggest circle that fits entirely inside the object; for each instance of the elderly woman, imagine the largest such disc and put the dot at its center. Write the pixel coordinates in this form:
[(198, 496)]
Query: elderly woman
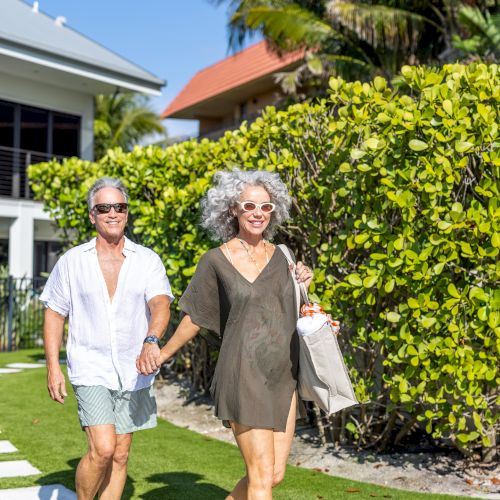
[(243, 291)]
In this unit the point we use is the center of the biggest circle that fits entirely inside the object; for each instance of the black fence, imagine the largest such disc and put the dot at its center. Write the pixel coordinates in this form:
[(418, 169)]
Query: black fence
[(21, 313)]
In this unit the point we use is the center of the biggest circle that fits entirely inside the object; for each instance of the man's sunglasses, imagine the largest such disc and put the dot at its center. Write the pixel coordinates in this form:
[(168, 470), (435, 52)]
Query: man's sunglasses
[(105, 208), (250, 206)]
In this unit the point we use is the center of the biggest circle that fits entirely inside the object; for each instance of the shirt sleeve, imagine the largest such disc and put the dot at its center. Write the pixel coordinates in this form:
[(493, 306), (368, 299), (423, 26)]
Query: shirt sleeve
[(56, 293), (201, 298), (158, 283)]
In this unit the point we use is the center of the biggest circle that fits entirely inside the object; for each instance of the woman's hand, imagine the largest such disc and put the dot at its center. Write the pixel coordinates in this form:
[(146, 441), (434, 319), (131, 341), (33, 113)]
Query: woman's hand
[(304, 274)]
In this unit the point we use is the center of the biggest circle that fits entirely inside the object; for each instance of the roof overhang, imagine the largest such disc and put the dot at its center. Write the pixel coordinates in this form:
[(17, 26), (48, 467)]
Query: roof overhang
[(216, 106), (68, 73)]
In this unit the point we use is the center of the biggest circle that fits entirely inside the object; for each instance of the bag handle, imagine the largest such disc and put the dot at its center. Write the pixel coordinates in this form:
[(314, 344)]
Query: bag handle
[(300, 288)]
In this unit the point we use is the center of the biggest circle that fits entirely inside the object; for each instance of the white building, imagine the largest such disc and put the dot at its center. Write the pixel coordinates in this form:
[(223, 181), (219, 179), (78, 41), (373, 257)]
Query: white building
[(49, 75)]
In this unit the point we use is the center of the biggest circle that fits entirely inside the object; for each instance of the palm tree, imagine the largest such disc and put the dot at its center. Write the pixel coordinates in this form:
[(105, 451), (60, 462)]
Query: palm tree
[(123, 119), (484, 33), (352, 38)]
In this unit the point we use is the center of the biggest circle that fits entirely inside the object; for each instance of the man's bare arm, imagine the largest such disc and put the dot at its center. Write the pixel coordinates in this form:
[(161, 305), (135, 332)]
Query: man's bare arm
[(149, 359), (53, 329)]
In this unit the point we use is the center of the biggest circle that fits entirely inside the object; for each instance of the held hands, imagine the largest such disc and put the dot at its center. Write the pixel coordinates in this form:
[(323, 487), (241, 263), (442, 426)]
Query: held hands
[(56, 385), (149, 360), (303, 273)]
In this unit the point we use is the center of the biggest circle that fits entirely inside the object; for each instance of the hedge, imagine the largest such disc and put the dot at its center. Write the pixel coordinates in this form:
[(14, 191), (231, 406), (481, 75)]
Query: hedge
[(396, 204)]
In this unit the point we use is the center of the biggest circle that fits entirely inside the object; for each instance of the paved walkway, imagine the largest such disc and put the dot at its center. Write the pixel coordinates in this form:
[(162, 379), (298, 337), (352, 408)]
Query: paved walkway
[(22, 468)]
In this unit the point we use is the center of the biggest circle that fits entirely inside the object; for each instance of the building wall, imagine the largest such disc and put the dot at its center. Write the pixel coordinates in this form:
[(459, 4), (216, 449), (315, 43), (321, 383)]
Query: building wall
[(24, 221), (24, 91)]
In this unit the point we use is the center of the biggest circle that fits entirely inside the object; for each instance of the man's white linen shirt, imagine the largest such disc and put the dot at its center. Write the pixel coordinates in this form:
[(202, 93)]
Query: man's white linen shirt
[(105, 337)]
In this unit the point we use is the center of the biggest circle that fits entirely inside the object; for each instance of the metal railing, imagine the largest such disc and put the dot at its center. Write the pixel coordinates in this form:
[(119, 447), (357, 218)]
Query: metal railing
[(21, 313), (14, 165)]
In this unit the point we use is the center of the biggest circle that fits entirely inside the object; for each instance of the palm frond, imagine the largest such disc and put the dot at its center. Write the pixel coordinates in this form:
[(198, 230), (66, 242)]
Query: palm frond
[(379, 25), (288, 26), (486, 26)]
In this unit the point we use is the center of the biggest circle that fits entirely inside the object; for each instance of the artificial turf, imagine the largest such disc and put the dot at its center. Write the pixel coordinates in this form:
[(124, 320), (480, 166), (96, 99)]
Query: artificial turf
[(168, 462)]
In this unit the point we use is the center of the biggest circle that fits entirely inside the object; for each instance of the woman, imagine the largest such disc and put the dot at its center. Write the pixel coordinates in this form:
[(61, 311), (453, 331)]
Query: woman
[(243, 291)]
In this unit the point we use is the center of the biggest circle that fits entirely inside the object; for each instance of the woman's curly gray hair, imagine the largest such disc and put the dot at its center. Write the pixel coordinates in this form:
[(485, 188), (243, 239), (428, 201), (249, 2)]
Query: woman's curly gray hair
[(218, 204)]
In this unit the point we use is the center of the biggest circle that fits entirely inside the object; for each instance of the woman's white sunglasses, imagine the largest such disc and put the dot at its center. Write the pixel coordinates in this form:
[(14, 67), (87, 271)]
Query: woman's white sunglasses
[(250, 206)]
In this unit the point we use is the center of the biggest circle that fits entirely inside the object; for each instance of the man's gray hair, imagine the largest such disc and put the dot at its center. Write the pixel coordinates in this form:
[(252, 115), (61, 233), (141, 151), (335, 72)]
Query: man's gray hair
[(220, 201), (105, 182)]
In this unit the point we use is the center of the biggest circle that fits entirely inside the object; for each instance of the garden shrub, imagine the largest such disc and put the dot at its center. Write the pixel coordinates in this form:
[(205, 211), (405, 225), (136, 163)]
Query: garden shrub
[(395, 203)]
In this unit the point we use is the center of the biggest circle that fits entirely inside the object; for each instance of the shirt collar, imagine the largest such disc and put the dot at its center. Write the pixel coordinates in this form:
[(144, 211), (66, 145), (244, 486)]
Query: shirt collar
[(129, 246)]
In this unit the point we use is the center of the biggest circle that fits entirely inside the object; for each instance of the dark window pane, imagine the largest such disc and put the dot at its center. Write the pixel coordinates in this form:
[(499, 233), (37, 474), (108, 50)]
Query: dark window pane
[(6, 124), (65, 135), (46, 255), (4, 253), (34, 129)]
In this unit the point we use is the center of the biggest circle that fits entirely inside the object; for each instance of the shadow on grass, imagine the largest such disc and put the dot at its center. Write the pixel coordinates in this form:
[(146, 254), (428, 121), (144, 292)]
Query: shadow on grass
[(67, 478), (186, 485)]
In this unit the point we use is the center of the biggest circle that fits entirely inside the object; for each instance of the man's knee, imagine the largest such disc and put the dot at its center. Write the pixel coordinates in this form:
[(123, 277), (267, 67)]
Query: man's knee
[(120, 457), (102, 453)]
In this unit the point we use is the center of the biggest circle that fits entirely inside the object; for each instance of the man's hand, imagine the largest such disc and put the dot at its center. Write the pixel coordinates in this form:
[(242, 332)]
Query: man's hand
[(149, 360), (56, 384)]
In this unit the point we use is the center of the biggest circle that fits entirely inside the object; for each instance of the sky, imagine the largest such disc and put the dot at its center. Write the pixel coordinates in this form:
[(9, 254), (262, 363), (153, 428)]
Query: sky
[(173, 39)]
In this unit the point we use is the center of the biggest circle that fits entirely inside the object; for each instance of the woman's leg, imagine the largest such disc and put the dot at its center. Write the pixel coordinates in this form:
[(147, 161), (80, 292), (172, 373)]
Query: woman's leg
[(257, 448), (279, 448), (283, 443)]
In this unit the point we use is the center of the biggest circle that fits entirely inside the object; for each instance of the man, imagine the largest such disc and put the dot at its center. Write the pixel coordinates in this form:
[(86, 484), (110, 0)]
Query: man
[(116, 296)]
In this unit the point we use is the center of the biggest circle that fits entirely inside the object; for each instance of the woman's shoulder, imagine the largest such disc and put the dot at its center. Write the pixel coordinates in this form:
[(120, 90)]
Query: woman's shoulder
[(210, 256)]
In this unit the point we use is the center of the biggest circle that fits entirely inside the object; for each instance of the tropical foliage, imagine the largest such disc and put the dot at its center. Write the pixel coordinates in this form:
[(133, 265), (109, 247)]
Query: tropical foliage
[(364, 39), (396, 205), (122, 120)]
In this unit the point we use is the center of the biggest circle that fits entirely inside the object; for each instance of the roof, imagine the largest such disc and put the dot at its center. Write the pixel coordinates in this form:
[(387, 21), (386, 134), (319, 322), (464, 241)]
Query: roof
[(249, 65), (29, 35)]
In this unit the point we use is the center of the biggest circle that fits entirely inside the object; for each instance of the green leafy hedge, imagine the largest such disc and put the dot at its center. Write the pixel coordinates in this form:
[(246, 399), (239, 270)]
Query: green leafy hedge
[(396, 204)]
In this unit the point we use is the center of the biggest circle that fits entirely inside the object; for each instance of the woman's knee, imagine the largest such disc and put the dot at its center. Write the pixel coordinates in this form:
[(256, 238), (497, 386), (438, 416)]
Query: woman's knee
[(261, 474), (278, 476)]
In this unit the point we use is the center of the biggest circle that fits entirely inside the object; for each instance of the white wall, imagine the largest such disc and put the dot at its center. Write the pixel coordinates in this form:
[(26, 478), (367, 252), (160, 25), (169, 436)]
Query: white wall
[(22, 218), (23, 221), (24, 91)]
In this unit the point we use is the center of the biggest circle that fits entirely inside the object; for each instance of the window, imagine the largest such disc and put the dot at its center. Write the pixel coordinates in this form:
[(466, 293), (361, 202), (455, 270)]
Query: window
[(45, 258), (6, 124), (65, 135), (39, 130)]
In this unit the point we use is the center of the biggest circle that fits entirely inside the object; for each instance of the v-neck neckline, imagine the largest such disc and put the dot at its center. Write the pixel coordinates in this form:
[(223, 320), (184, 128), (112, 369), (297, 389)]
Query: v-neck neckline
[(110, 300), (251, 283)]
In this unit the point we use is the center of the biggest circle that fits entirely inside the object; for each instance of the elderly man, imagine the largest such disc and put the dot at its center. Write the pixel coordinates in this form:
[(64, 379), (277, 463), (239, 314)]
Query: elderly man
[(117, 296)]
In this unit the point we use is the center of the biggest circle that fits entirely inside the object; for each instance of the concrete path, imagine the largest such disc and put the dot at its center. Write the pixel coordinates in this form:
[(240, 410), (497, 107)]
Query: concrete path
[(17, 468), (7, 447), (51, 492)]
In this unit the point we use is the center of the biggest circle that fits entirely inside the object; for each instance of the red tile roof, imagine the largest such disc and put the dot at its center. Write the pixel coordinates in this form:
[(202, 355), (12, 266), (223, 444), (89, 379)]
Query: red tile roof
[(250, 64)]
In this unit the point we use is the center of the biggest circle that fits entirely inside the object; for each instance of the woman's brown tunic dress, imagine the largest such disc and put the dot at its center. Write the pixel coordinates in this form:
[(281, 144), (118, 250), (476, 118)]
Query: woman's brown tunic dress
[(256, 373)]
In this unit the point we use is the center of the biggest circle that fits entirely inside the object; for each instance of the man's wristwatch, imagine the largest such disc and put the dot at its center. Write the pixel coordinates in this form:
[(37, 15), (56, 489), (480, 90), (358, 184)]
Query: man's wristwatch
[(152, 339)]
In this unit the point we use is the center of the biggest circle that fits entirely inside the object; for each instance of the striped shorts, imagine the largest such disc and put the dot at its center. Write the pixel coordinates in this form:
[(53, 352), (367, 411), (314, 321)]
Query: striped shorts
[(128, 411)]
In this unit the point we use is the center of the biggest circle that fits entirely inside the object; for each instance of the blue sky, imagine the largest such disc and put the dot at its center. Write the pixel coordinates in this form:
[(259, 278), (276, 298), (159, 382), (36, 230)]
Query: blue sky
[(173, 39)]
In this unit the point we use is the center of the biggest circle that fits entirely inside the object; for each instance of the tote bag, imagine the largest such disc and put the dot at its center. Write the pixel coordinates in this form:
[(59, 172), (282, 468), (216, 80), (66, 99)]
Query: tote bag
[(323, 377)]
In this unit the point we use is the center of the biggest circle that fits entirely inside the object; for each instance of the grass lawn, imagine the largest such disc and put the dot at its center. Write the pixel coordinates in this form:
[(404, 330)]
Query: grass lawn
[(167, 462)]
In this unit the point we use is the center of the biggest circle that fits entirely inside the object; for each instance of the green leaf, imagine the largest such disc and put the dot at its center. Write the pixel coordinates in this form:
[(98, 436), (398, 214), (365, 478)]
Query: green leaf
[(417, 145), (355, 280), (427, 322), (452, 290), (393, 317), (463, 146), (369, 281)]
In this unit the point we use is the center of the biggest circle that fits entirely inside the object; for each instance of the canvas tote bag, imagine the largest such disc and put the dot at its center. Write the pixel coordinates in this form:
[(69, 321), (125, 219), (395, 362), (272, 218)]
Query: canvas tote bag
[(323, 376)]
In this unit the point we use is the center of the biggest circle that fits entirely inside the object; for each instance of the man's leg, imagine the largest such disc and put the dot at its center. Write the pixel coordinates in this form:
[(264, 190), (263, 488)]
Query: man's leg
[(116, 474), (92, 468)]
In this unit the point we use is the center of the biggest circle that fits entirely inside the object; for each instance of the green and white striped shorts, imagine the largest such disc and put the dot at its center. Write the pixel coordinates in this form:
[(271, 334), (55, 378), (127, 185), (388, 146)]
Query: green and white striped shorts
[(128, 411)]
